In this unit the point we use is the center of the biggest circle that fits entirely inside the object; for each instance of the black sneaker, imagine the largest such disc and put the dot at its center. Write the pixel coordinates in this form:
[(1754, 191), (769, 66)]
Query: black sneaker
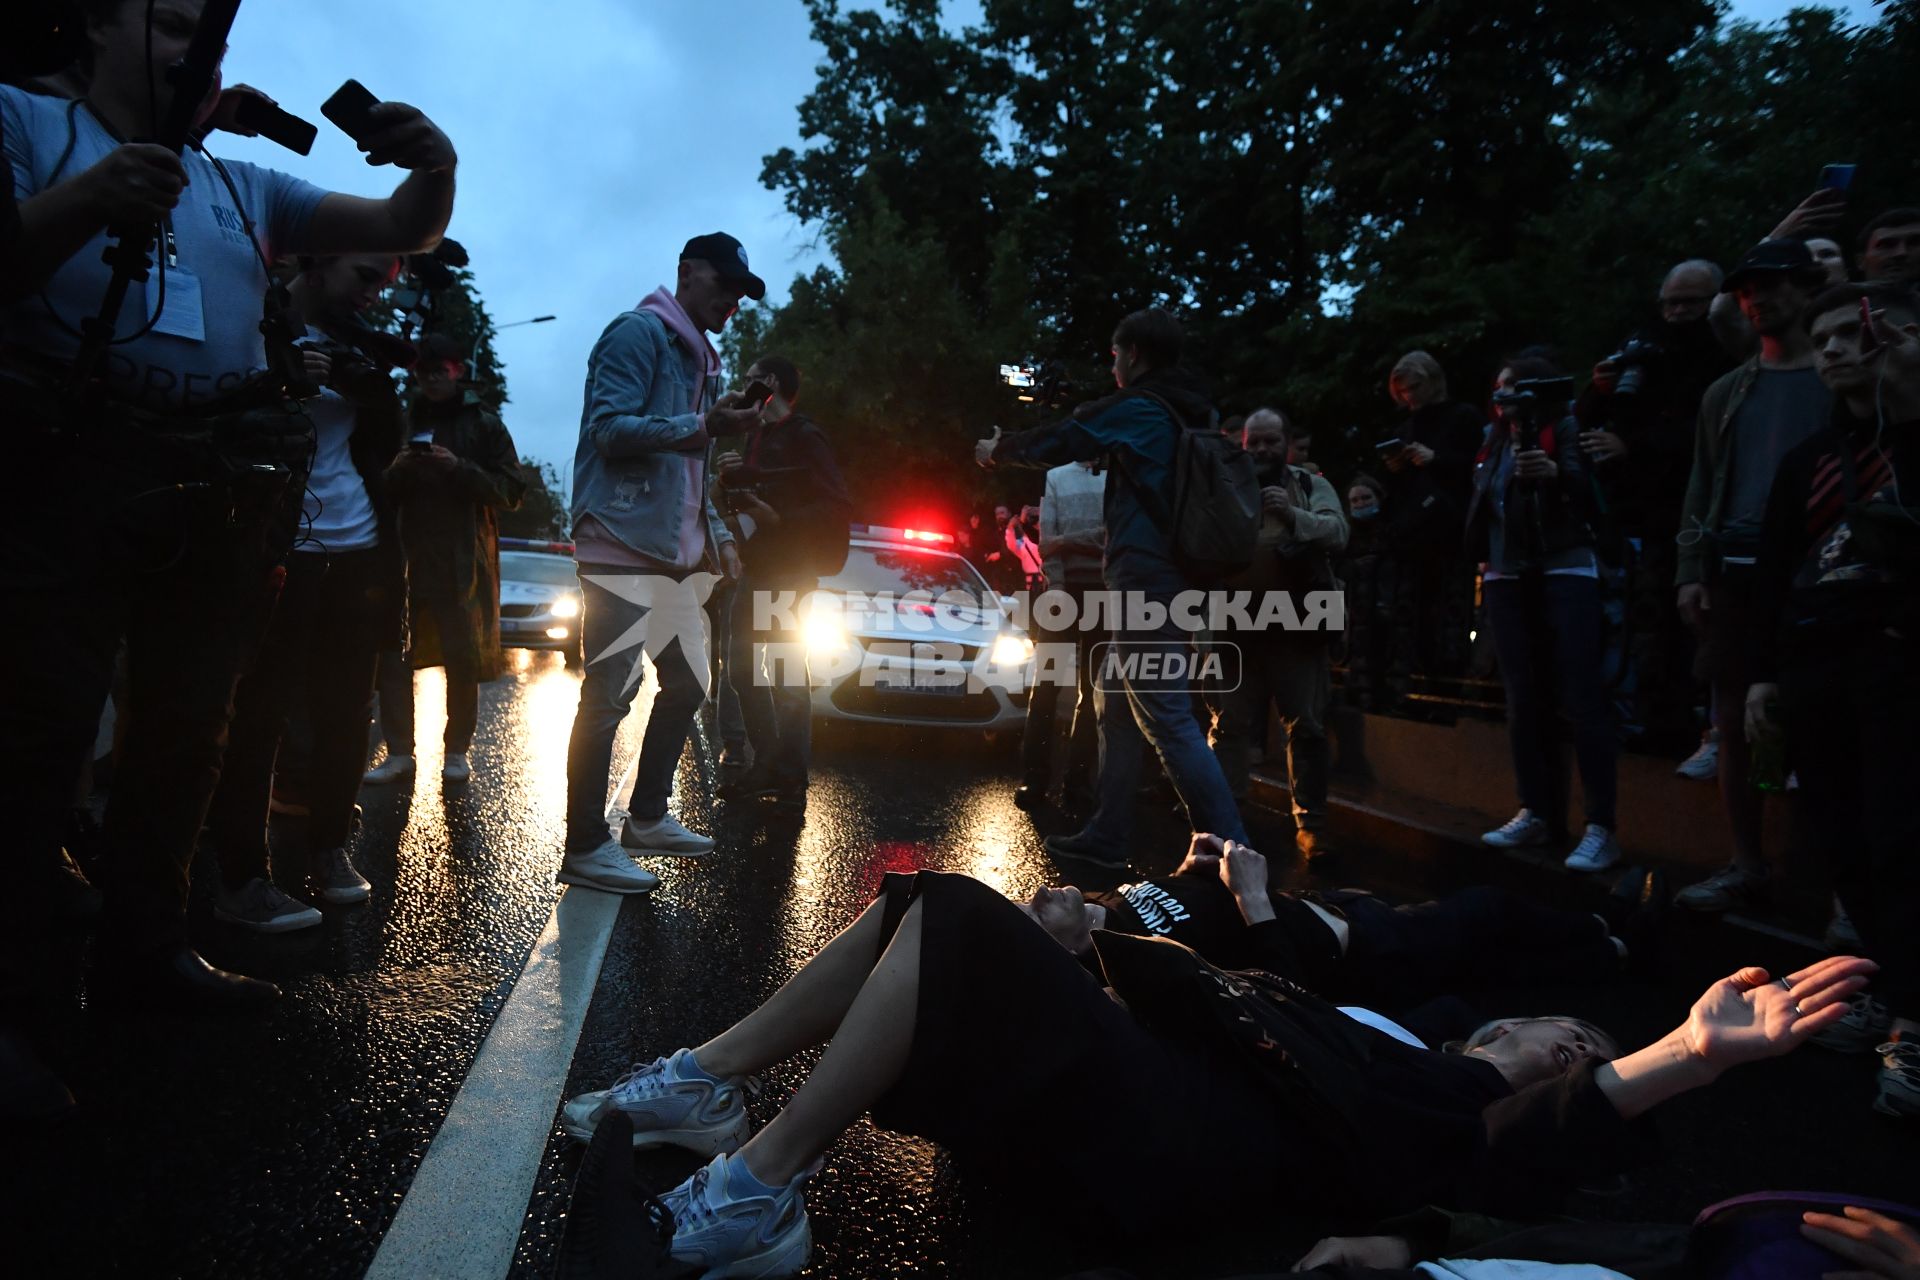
[(1080, 847), (1028, 797), (754, 783)]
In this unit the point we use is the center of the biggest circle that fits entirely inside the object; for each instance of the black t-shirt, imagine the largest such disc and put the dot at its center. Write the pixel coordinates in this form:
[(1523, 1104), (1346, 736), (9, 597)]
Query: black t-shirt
[(1197, 911)]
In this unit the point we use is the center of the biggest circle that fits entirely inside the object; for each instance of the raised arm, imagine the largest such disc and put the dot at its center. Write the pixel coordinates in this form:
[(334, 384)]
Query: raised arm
[(415, 216)]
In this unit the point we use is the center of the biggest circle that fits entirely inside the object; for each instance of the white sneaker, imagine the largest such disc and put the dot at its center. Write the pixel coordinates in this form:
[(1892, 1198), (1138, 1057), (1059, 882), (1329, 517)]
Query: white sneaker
[(1841, 936), (1520, 831), (1725, 889), (392, 769), (672, 1103), (1865, 1025), (607, 867), (456, 768), (1596, 851), (664, 835), (1704, 763), (261, 906), (718, 1233)]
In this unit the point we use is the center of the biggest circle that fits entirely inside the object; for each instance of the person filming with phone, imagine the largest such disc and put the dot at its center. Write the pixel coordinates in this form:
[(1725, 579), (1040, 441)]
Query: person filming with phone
[(783, 487), (158, 563)]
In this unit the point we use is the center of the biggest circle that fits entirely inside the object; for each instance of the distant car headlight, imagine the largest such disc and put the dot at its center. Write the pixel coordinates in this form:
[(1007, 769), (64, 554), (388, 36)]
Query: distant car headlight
[(566, 607), (825, 635), (1010, 650)]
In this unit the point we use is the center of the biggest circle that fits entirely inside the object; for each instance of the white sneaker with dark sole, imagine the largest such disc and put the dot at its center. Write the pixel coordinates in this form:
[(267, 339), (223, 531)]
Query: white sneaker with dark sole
[(608, 868), (263, 907), (663, 835)]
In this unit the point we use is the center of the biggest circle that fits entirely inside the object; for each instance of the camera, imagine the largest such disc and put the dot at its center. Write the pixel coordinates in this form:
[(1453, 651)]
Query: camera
[(764, 483), (1534, 403), (1634, 360)]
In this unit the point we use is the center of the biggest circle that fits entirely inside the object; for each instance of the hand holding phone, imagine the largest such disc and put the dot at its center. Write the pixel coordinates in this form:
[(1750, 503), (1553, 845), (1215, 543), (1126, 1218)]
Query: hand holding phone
[(349, 109)]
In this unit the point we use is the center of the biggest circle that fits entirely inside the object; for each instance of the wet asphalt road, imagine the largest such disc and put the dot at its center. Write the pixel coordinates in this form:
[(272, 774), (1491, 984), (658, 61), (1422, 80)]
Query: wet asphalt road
[(283, 1146)]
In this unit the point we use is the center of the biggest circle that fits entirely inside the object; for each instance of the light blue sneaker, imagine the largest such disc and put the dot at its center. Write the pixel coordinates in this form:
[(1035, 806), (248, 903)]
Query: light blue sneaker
[(721, 1234), (1521, 831), (1597, 850), (672, 1103)]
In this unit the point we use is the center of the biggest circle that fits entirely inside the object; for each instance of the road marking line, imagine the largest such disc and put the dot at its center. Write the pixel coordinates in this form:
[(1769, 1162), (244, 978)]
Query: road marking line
[(462, 1214)]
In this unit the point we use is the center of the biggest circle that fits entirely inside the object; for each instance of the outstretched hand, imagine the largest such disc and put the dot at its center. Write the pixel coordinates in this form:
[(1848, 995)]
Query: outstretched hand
[(1881, 1246), (1753, 1015)]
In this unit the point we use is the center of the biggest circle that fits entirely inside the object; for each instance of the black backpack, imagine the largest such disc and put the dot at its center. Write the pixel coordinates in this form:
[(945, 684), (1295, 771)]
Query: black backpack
[(1214, 523)]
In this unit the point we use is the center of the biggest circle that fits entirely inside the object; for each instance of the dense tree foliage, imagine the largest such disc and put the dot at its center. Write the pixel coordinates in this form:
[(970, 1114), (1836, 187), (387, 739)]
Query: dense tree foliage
[(1314, 186)]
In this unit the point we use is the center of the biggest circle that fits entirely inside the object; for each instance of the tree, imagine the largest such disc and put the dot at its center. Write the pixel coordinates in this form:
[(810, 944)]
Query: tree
[(542, 514)]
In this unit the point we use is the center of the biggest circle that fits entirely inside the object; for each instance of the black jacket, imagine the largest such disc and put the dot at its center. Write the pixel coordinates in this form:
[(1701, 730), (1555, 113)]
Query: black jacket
[(1567, 504), (1429, 502), (1394, 1127), (792, 465)]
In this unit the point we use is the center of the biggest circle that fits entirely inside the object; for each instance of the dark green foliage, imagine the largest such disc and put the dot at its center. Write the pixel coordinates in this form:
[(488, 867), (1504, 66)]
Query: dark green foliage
[(1315, 186)]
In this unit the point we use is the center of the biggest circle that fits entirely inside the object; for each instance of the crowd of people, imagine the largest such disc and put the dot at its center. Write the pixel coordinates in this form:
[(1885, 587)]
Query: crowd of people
[(272, 532)]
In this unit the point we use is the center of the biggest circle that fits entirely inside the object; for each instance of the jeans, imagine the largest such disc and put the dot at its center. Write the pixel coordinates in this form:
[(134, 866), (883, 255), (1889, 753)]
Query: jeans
[(1547, 633), (607, 694), (776, 702), (92, 553), (396, 706), (319, 653), (1849, 710), (1292, 671), (1043, 702), (1159, 712)]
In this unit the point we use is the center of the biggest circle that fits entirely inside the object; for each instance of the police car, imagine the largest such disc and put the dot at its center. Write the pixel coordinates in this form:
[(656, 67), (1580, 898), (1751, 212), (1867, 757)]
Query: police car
[(539, 597), (909, 633)]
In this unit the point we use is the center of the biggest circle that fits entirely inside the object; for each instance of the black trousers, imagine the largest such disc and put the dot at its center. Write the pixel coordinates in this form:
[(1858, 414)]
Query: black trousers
[(1401, 956), (1850, 709), (94, 553), (319, 653)]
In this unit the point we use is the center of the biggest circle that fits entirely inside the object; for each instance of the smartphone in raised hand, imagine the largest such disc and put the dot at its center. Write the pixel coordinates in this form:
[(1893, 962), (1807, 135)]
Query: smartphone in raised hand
[(1837, 177), (348, 108)]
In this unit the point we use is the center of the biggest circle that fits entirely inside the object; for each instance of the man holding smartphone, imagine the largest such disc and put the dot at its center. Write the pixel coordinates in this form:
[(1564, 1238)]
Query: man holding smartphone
[(178, 582), (641, 511)]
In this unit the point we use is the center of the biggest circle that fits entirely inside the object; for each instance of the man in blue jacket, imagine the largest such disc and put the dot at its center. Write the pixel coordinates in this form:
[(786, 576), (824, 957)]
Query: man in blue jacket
[(642, 524), (1136, 431)]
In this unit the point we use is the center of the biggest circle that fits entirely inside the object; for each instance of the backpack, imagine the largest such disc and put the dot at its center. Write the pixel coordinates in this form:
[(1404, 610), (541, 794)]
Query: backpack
[(1214, 523)]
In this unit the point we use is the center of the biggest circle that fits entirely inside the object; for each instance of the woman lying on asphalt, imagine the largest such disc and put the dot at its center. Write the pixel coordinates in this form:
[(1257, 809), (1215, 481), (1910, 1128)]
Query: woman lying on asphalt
[(1190, 1096), (1347, 945)]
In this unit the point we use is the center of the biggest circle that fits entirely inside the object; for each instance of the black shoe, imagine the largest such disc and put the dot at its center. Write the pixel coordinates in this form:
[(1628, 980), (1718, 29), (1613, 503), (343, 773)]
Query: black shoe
[(1079, 847), (788, 801), (1028, 798), (754, 783), (179, 977), (614, 1227)]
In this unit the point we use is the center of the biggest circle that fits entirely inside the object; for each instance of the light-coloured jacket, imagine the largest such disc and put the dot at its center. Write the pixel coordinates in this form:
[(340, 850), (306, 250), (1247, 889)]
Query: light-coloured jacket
[(629, 470)]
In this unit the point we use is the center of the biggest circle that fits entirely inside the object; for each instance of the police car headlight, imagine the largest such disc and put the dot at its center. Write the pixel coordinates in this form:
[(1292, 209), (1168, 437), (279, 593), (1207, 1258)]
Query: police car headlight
[(825, 635), (566, 607), (1010, 650)]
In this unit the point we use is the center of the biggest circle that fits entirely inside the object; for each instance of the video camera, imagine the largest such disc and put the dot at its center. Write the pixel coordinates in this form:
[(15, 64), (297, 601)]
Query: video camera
[(1635, 360), (427, 276), (1045, 384), (1534, 403)]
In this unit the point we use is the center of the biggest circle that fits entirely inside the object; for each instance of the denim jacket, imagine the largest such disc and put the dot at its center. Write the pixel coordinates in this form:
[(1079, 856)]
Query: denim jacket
[(629, 470)]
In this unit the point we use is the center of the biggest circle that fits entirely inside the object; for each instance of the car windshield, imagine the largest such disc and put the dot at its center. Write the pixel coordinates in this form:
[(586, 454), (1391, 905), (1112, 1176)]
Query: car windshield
[(877, 570), (531, 566)]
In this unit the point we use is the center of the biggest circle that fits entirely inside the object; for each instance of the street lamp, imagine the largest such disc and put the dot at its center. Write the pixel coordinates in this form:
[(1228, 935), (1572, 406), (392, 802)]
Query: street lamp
[(473, 353)]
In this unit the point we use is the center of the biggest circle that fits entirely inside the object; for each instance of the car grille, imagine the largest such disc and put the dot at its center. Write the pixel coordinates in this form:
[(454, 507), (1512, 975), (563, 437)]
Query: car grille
[(519, 610), (862, 700)]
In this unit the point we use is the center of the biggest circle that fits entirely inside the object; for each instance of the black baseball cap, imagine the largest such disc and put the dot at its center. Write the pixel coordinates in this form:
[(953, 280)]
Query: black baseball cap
[(728, 258), (1769, 257)]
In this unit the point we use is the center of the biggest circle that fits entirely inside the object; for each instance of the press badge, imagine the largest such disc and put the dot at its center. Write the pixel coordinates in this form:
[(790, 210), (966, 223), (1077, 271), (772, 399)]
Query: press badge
[(184, 316)]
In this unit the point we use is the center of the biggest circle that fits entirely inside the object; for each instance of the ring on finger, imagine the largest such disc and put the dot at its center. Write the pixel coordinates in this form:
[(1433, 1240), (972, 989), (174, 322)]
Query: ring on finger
[(1798, 1012), (1786, 984)]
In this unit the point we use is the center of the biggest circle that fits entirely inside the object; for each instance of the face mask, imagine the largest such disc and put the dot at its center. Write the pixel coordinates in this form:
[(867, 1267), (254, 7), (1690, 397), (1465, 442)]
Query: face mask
[(1365, 513)]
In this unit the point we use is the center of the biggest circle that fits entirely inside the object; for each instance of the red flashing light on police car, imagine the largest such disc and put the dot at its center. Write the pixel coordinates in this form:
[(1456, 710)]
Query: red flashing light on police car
[(923, 535)]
